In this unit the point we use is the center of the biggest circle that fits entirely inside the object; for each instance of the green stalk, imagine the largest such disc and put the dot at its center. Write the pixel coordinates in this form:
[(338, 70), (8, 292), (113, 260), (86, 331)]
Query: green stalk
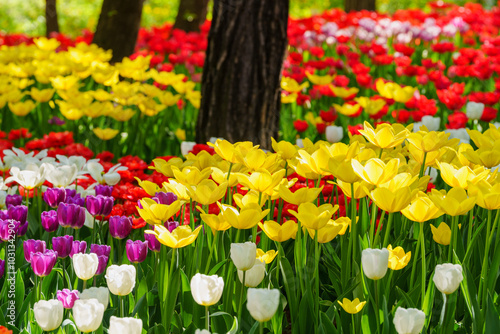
[(372, 226), (298, 257), (241, 298), (261, 327), (388, 229), (422, 168), (316, 274), (378, 230), (424, 267), (414, 265), (207, 319), (377, 314), (454, 233), (484, 271)]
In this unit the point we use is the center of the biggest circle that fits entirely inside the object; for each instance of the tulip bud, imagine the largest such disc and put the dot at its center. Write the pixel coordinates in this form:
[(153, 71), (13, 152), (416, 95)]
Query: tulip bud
[(48, 314), (88, 314), (409, 321), (49, 221), (120, 227), (206, 290), (254, 275), (100, 249), (125, 325), (85, 265), (431, 123), (101, 294), (42, 263), (263, 303), (99, 205), (375, 262), (103, 263), (474, 110), (243, 255), (153, 244), (22, 229), (62, 245), (447, 277), (78, 247), (19, 213), (54, 196), (70, 215), (120, 279), (13, 200), (103, 190), (165, 198), (67, 297), (136, 250), (334, 134), (186, 147), (8, 228), (32, 246)]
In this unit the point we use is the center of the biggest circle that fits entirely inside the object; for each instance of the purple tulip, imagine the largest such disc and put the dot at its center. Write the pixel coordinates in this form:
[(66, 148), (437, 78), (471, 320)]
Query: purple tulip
[(103, 263), (78, 200), (63, 245), (164, 198), (67, 297), (2, 268), (71, 215), (153, 243), (8, 228), (32, 246), (78, 247), (136, 250), (56, 121), (49, 221), (99, 205), (18, 212), (13, 200), (171, 225), (54, 196), (22, 229), (4, 214), (103, 190), (71, 192), (42, 263), (100, 249), (120, 227)]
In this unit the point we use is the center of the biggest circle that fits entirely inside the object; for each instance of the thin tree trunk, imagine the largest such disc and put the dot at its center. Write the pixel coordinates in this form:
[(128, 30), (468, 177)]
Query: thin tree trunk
[(359, 5), (51, 22), (118, 27), (191, 14), (241, 93)]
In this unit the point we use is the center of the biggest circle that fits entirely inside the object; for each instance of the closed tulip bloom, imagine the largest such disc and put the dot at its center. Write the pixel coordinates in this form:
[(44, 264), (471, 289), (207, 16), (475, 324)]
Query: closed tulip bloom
[(314, 217), (277, 232), (191, 175), (180, 237), (375, 262), (422, 209), (153, 244), (54, 196), (375, 171), (18, 212), (125, 325), (8, 228), (359, 188), (62, 245), (447, 277), (136, 250), (302, 195), (88, 314), (247, 217), (13, 200), (263, 303), (206, 290), (398, 259), (121, 279), (216, 222), (100, 249), (48, 314), (32, 246), (391, 201), (103, 263), (284, 148), (352, 307), (85, 265), (164, 198), (334, 134), (101, 294), (202, 331), (103, 190), (455, 203), (207, 192), (67, 297), (474, 110), (49, 221), (99, 205), (487, 195), (71, 215), (409, 321), (262, 180), (22, 229), (120, 227), (78, 247), (266, 257), (42, 263), (441, 234), (243, 255), (156, 214), (331, 230), (254, 275)]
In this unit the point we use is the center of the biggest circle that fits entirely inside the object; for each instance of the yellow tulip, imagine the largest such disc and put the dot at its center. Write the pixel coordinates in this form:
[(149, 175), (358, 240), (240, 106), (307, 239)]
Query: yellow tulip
[(385, 135), (219, 176), (403, 180), (300, 196), (370, 106), (250, 197), (22, 108), (65, 83), (375, 171), (46, 44), (178, 189), (455, 203), (331, 230), (390, 200), (166, 78), (182, 236), (394, 91), (105, 134), (320, 80), (314, 217), (157, 214), (149, 187), (430, 157), (398, 259), (207, 192), (277, 232), (488, 196), (460, 177), (216, 222), (486, 156), (256, 159), (266, 257), (288, 99), (431, 141), (352, 307), (228, 151), (421, 209), (246, 218), (347, 109), (261, 181), (290, 85), (69, 110), (284, 148), (441, 234), (42, 95), (344, 92), (165, 167), (190, 175)]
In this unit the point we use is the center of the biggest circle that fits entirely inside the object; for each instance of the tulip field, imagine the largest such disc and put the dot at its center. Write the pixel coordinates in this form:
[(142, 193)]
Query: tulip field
[(375, 210)]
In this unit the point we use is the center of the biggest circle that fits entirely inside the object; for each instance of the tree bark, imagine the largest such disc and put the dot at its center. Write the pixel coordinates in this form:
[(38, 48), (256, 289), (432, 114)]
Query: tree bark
[(118, 27), (351, 5), (241, 95), (51, 22), (191, 14)]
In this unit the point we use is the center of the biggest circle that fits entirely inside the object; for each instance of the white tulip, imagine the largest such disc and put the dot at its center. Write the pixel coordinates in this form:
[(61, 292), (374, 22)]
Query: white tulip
[(375, 262), (334, 134), (474, 110), (243, 255), (409, 321), (206, 290), (61, 176), (417, 126), (77, 160), (48, 314), (447, 277), (255, 275), (460, 134), (186, 147), (111, 177), (125, 325), (88, 314), (30, 177), (263, 303), (202, 331), (85, 265), (431, 123), (121, 279), (101, 294), (299, 142)]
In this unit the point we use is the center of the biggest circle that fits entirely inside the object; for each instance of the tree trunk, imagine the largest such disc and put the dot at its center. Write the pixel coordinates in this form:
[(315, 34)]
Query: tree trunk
[(241, 95), (51, 17), (118, 27), (359, 5), (191, 14)]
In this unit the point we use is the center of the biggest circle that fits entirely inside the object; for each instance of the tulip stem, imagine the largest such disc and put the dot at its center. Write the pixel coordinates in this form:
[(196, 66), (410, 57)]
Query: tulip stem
[(84, 284), (316, 274), (261, 327), (122, 307), (372, 226), (207, 319), (454, 232), (241, 297), (388, 229), (424, 267), (414, 265), (214, 245), (422, 168), (378, 230), (489, 236), (377, 314)]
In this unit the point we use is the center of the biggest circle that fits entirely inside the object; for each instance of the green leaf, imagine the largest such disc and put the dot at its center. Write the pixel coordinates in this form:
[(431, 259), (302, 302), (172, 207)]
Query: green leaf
[(469, 291), (409, 302), (217, 267), (19, 290), (327, 324), (234, 328), (289, 281), (138, 305), (492, 323), (473, 241), (254, 328)]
